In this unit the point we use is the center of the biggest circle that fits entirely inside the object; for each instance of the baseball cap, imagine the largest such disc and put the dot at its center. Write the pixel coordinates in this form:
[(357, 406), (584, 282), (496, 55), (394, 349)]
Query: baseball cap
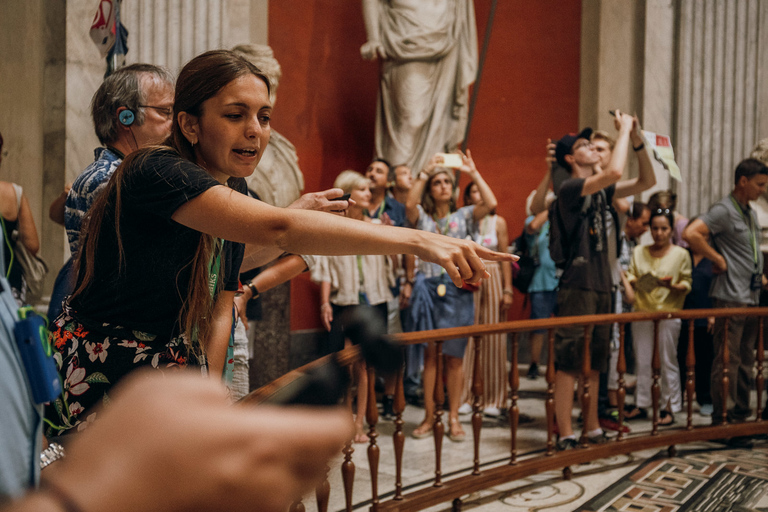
[(565, 145)]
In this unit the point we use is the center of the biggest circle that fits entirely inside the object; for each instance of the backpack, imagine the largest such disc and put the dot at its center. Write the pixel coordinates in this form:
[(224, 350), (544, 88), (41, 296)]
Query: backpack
[(561, 250), (527, 263)]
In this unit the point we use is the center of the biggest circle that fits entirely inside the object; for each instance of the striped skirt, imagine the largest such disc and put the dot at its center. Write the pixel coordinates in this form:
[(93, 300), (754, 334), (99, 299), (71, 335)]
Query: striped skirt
[(493, 347)]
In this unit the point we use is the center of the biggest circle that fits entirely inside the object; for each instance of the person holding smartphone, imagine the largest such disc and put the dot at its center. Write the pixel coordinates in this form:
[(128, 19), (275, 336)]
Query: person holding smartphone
[(431, 207)]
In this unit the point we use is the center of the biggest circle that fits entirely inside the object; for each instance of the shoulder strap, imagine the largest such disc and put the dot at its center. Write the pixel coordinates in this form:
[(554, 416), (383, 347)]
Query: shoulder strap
[(19, 191)]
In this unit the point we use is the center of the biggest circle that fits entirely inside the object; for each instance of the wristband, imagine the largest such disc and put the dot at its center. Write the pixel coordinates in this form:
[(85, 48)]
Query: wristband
[(254, 290), (638, 148), (508, 292)]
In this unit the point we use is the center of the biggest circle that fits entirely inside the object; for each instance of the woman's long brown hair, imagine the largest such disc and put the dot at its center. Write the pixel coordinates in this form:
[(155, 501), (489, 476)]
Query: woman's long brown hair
[(200, 79)]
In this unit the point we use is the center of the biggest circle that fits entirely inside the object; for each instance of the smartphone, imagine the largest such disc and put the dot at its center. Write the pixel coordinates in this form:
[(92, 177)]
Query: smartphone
[(345, 197), (452, 160)]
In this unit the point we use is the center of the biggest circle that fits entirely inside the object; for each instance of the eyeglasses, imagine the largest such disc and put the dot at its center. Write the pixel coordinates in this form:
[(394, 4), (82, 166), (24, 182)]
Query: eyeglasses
[(580, 145), (665, 211), (166, 111)]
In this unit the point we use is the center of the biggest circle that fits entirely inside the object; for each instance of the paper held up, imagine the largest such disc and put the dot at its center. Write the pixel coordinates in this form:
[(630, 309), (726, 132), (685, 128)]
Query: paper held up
[(663, 153)]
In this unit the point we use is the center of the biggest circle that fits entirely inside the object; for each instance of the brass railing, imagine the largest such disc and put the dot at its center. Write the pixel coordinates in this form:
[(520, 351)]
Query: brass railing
[(443, 490)]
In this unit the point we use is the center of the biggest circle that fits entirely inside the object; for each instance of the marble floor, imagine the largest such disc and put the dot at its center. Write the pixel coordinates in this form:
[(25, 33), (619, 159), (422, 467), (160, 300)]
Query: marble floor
[(546, 491)]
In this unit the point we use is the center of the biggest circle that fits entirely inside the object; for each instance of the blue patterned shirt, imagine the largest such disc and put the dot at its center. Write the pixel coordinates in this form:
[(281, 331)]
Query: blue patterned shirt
[(85, 190)]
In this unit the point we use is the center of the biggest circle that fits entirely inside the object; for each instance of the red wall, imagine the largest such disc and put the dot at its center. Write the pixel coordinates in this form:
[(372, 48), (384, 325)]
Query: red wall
[(327, 98)]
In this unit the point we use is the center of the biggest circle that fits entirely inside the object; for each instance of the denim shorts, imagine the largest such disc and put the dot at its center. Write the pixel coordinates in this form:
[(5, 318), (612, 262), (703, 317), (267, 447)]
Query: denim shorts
[(543, 305)]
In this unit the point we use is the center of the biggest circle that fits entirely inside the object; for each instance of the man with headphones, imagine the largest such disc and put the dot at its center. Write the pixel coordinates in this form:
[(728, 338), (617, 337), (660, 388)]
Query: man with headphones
[(132, 109)]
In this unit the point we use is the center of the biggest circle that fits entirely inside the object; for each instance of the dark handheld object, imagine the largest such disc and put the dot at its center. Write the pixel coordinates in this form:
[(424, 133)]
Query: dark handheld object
[(345, 197), (327, 384), (612, 112), (32, 340)]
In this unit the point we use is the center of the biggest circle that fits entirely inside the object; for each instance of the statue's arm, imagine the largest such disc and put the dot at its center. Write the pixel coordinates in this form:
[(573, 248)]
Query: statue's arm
[(373, 47)]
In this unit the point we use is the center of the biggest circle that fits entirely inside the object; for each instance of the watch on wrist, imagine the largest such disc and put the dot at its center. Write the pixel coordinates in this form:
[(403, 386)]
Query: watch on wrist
[(254, 290), (51, 454)]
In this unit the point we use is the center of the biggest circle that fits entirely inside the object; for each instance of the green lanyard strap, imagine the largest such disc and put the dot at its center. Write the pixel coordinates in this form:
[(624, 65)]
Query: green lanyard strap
[(748, 222)]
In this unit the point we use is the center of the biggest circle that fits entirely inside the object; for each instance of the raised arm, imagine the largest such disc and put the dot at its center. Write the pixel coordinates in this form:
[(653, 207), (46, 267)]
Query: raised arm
[(646, 177), (414, 196), (489, 200), (615, 169), (539, 201), (227, 214)]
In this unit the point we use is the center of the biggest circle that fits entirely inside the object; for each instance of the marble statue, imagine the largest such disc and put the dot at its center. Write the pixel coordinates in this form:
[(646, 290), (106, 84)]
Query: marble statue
[(428, 50)]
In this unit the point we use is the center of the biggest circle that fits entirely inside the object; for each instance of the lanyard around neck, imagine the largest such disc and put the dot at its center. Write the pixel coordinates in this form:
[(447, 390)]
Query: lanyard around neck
[(748, 222)]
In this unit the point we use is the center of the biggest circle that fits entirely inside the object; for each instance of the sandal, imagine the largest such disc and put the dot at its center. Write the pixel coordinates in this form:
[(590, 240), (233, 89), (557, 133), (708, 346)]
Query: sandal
[(455, 432), (636, 413), (423, 430), (666, 418)]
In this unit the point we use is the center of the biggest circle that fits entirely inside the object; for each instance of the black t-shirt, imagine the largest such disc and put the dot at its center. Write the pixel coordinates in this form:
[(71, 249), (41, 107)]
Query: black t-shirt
[(594, 273), (147, 291)]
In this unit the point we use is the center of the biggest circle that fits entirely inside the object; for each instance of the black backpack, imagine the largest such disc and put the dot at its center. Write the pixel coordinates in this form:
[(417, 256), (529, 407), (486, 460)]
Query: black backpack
[(561, 250), (528, 262)]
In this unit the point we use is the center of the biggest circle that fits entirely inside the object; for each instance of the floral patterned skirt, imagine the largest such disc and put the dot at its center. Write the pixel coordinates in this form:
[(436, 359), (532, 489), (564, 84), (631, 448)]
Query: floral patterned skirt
[(91, 361)]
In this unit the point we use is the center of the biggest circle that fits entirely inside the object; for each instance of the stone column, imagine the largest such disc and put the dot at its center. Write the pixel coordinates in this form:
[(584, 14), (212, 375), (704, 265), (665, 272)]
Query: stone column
[(720, 107)]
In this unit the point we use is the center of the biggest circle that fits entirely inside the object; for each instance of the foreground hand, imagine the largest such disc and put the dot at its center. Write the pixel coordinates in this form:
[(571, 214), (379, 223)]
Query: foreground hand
[(322, 202), (623, 121), (172, 442), (461, 259), (405, 295), (469, 166)]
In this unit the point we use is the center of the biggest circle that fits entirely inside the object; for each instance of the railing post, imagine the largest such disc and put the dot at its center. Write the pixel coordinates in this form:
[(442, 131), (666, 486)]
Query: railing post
[(550, 401), (477, 393), (726, 377), (586, 368), (323, 492), (760, 380), (514, 410), (690, 382), (621, 369), (656, 386), (372, 417), (438, 428), (398, 438), (348, 467)]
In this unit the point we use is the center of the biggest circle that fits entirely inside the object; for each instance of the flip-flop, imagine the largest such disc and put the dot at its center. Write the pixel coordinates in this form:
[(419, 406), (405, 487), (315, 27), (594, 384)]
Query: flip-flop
[(460, 435), (663, 421)]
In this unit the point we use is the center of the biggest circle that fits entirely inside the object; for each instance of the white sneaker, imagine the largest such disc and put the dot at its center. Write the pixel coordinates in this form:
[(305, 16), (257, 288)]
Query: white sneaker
[(465, 409), (493, 412)]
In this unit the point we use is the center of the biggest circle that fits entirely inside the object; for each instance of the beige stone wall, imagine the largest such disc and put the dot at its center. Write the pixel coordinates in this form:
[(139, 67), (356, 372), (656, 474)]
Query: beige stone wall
[(50, 68), (691, 69)]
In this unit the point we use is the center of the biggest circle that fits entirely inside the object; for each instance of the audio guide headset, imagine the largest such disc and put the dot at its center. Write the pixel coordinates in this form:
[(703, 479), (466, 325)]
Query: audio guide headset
[(126, 116)]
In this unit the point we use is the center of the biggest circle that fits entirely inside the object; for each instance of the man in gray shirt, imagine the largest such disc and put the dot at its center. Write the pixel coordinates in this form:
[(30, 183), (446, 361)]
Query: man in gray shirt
[(738, 266)]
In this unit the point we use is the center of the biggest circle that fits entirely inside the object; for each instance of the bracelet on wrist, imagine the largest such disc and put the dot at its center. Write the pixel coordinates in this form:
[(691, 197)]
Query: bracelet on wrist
[(508, 291), (638, 148), (51, 454)]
